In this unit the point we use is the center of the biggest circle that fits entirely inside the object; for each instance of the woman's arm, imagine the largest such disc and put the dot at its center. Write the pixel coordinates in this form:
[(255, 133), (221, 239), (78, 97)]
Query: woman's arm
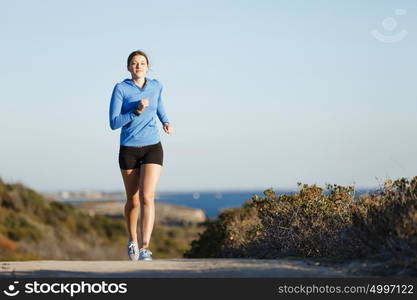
[(161, 109), (117, 119), (163, 116)]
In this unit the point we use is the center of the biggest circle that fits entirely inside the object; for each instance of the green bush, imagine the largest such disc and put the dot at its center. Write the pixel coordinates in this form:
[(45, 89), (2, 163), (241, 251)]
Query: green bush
[(108, 227), (18, 227)]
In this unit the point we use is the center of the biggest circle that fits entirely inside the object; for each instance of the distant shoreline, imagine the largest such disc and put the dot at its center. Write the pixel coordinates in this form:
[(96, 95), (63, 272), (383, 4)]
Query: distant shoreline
[(212, 203)]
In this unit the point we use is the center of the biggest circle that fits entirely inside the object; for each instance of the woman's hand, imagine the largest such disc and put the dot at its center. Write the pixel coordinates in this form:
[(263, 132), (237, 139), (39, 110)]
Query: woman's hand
[(143, 103), (168, 128)]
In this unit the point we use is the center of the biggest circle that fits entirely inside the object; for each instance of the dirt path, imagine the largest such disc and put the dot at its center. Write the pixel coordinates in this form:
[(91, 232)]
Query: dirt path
[(168, 268)]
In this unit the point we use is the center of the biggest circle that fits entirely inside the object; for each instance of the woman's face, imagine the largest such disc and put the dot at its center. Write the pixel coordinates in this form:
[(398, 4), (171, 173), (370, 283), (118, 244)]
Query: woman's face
[(138, 66)]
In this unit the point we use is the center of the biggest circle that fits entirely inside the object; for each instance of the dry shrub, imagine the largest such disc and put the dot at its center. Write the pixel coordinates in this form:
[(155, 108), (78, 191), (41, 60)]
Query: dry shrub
[(319, 223)]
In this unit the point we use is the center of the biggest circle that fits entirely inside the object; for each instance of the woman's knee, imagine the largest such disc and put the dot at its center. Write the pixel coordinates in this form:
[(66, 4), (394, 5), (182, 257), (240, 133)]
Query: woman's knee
[(147, 198), (133, 202)]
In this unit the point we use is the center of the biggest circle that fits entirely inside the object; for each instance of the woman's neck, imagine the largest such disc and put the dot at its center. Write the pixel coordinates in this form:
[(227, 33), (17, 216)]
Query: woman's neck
[(140, 81)]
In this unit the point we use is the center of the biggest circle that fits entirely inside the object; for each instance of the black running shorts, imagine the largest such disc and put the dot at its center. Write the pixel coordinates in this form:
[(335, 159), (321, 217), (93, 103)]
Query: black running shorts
[(133, 157)]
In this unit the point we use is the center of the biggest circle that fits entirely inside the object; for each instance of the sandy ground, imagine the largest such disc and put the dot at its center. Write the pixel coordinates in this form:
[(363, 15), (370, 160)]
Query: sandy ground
[(171, 268)]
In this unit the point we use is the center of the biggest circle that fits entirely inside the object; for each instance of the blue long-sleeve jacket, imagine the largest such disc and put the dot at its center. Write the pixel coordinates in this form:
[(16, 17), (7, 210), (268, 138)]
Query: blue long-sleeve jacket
[(137, 130)]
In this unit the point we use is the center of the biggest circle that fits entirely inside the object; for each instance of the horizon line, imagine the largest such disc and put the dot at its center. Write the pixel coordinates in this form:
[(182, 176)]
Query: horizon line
[(296, 188)]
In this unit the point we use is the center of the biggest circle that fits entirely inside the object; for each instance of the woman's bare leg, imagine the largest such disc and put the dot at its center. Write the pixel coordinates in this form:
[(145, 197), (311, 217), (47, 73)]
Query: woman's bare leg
[(131, 182), (149, 176)]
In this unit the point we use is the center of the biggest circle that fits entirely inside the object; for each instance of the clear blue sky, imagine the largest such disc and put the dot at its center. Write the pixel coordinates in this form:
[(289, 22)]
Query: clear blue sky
[(261, 93)]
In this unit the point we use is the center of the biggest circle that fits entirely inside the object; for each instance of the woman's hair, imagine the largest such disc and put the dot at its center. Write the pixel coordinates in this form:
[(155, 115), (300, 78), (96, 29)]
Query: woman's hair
[(134, 53)]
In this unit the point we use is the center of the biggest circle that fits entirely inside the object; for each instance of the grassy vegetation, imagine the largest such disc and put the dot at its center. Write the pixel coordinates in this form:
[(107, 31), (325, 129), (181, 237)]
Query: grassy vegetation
[(33, 228), (319, 223)]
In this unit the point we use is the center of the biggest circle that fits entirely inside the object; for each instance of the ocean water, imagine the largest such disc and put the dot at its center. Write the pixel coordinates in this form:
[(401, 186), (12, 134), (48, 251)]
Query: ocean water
[(210, 202)]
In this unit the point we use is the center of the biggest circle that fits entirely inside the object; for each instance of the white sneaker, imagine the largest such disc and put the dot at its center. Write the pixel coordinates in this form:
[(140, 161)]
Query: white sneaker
[(133, 250), (145, 254)]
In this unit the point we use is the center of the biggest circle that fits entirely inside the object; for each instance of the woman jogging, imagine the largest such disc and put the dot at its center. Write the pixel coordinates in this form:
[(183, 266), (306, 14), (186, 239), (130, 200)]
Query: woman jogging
[(134, 105)]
